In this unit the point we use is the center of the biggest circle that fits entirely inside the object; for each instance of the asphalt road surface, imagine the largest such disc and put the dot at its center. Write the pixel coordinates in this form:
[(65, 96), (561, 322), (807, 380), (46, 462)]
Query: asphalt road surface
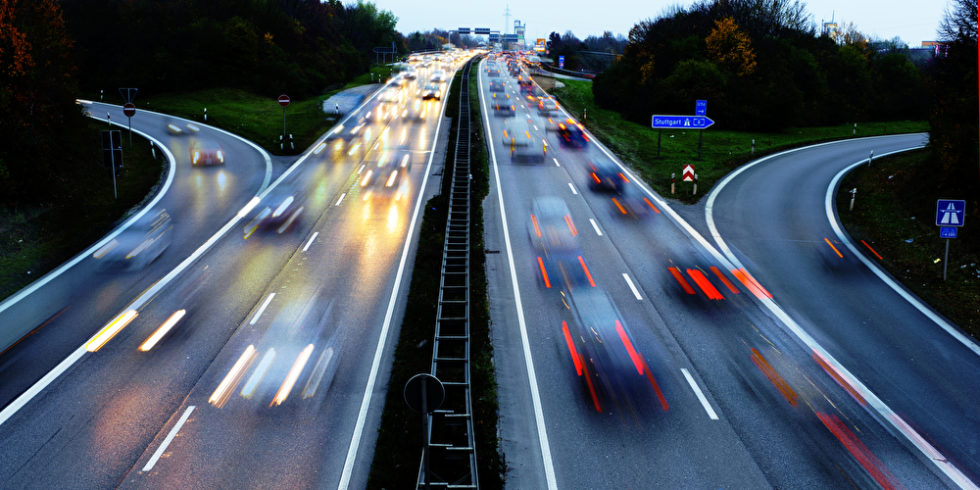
[(723, 394)]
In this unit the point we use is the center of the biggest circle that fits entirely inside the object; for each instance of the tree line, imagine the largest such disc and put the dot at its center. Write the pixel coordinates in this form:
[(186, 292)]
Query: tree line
[(761, 65), (52, 51)]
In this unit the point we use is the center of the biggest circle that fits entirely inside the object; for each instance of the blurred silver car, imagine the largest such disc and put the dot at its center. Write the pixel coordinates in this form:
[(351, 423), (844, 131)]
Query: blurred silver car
[(137, 246)]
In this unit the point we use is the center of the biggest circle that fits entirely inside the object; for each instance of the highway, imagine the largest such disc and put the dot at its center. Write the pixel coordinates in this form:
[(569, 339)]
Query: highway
[(258, 360), (739, 400)]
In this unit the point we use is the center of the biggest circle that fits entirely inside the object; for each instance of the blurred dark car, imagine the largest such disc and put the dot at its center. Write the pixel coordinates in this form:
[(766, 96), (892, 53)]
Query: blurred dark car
[(503, 105), (605, 176), (203, 154), (604, 353), (496, 86), (280, 210), (572, 134), (431, 91)]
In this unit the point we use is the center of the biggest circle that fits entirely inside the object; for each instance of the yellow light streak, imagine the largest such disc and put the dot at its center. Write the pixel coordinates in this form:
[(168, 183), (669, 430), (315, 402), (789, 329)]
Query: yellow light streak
[(110, 330), (234, 376), (294, 372), (162, 330)]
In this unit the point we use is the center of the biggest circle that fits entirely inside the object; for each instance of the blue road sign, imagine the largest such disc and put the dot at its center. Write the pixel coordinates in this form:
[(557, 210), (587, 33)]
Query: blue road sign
[(561, 62), (680, 122), (950, 212), (701, 107), (947, 231)]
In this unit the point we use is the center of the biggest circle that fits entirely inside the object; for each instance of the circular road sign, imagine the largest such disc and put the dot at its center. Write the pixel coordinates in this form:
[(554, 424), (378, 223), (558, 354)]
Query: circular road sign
[(424, 393), (284, 100), (129, 109)]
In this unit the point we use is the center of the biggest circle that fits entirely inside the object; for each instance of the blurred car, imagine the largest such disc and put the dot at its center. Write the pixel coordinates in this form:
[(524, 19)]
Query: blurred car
[(431, 91), (523, 144), (546, 105), (137, 246), (496, 86), (493, 72), (280, 210), (390, 95), (550, 228), (605, 176), (503, 105), (603, 352), (207, 155), (572, 134), (437, 76), (410, 74)]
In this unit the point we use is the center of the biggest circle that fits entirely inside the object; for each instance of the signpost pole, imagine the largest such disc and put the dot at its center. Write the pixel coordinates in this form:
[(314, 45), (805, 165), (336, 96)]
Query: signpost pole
[(660, 133), (946, 260), (130, 130), (700, 134), (284, 121)]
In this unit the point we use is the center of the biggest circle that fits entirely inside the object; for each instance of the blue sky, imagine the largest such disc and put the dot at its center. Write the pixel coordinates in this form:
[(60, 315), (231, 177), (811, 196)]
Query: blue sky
[(913, 21)]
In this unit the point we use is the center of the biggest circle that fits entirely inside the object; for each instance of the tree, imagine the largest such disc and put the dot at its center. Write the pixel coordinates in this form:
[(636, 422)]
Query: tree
[(730, 47)]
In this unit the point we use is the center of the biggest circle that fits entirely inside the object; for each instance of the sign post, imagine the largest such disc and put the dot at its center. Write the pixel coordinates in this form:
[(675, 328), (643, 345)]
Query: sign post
[(111, 152), (700, 109), (283, 101), (129, 109), (424, 393), (950, 215)]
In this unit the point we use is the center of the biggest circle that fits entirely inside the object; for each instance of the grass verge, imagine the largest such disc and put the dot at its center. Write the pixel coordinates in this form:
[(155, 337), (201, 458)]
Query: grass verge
[(721, 151), (893, 213), (257, 117), (400, 432), (36, 239)]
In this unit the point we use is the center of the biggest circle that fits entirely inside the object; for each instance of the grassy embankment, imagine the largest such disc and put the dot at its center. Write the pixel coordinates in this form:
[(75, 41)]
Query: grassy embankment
[(255, 117), (36, 239), (894, 212), (722, 151), (400, 433)]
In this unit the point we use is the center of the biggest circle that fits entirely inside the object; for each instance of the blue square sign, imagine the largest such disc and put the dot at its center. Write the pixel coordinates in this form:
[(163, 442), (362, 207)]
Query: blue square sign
[(950, 212), (947, 232)]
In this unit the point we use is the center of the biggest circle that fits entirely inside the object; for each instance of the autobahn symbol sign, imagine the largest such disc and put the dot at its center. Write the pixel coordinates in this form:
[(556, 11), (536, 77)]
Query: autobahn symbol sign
[(950, 212), (680, 122), (688, 174)]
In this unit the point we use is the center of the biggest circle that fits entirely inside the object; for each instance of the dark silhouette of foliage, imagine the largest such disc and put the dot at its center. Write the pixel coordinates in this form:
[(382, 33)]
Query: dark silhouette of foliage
[(761, 66)]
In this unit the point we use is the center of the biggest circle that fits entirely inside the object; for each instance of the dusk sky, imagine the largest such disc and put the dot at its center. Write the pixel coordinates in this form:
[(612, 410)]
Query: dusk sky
[(913, 21)]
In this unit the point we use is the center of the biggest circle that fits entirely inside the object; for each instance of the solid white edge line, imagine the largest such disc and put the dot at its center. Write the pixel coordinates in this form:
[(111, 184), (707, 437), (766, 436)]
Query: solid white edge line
[(570, 186), (884, 411), (697, 391), (26, 397), (310, 242), (265, 304), (166, 442), (42, 383), (41, 282), (595, 226), (846, 239), (549, 469), (382, 340), (629, 282)]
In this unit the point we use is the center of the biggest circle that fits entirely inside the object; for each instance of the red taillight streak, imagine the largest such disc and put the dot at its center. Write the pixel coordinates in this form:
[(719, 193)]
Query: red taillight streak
[(624, 178), (595, 396), (861, 453), (537, 229), (774, 377), (571, 226), (586, 269), (838, 378), (750, 282), (731, 287), (596, 178), (871, 249), (651, 205), (635, 356), (704, 284), (677, 275), (571, 348), (544, 273), (618, 205), (833, 247)]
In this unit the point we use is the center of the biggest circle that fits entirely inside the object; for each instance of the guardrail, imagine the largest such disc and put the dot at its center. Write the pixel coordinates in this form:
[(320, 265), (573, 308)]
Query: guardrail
[(450, 439)]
